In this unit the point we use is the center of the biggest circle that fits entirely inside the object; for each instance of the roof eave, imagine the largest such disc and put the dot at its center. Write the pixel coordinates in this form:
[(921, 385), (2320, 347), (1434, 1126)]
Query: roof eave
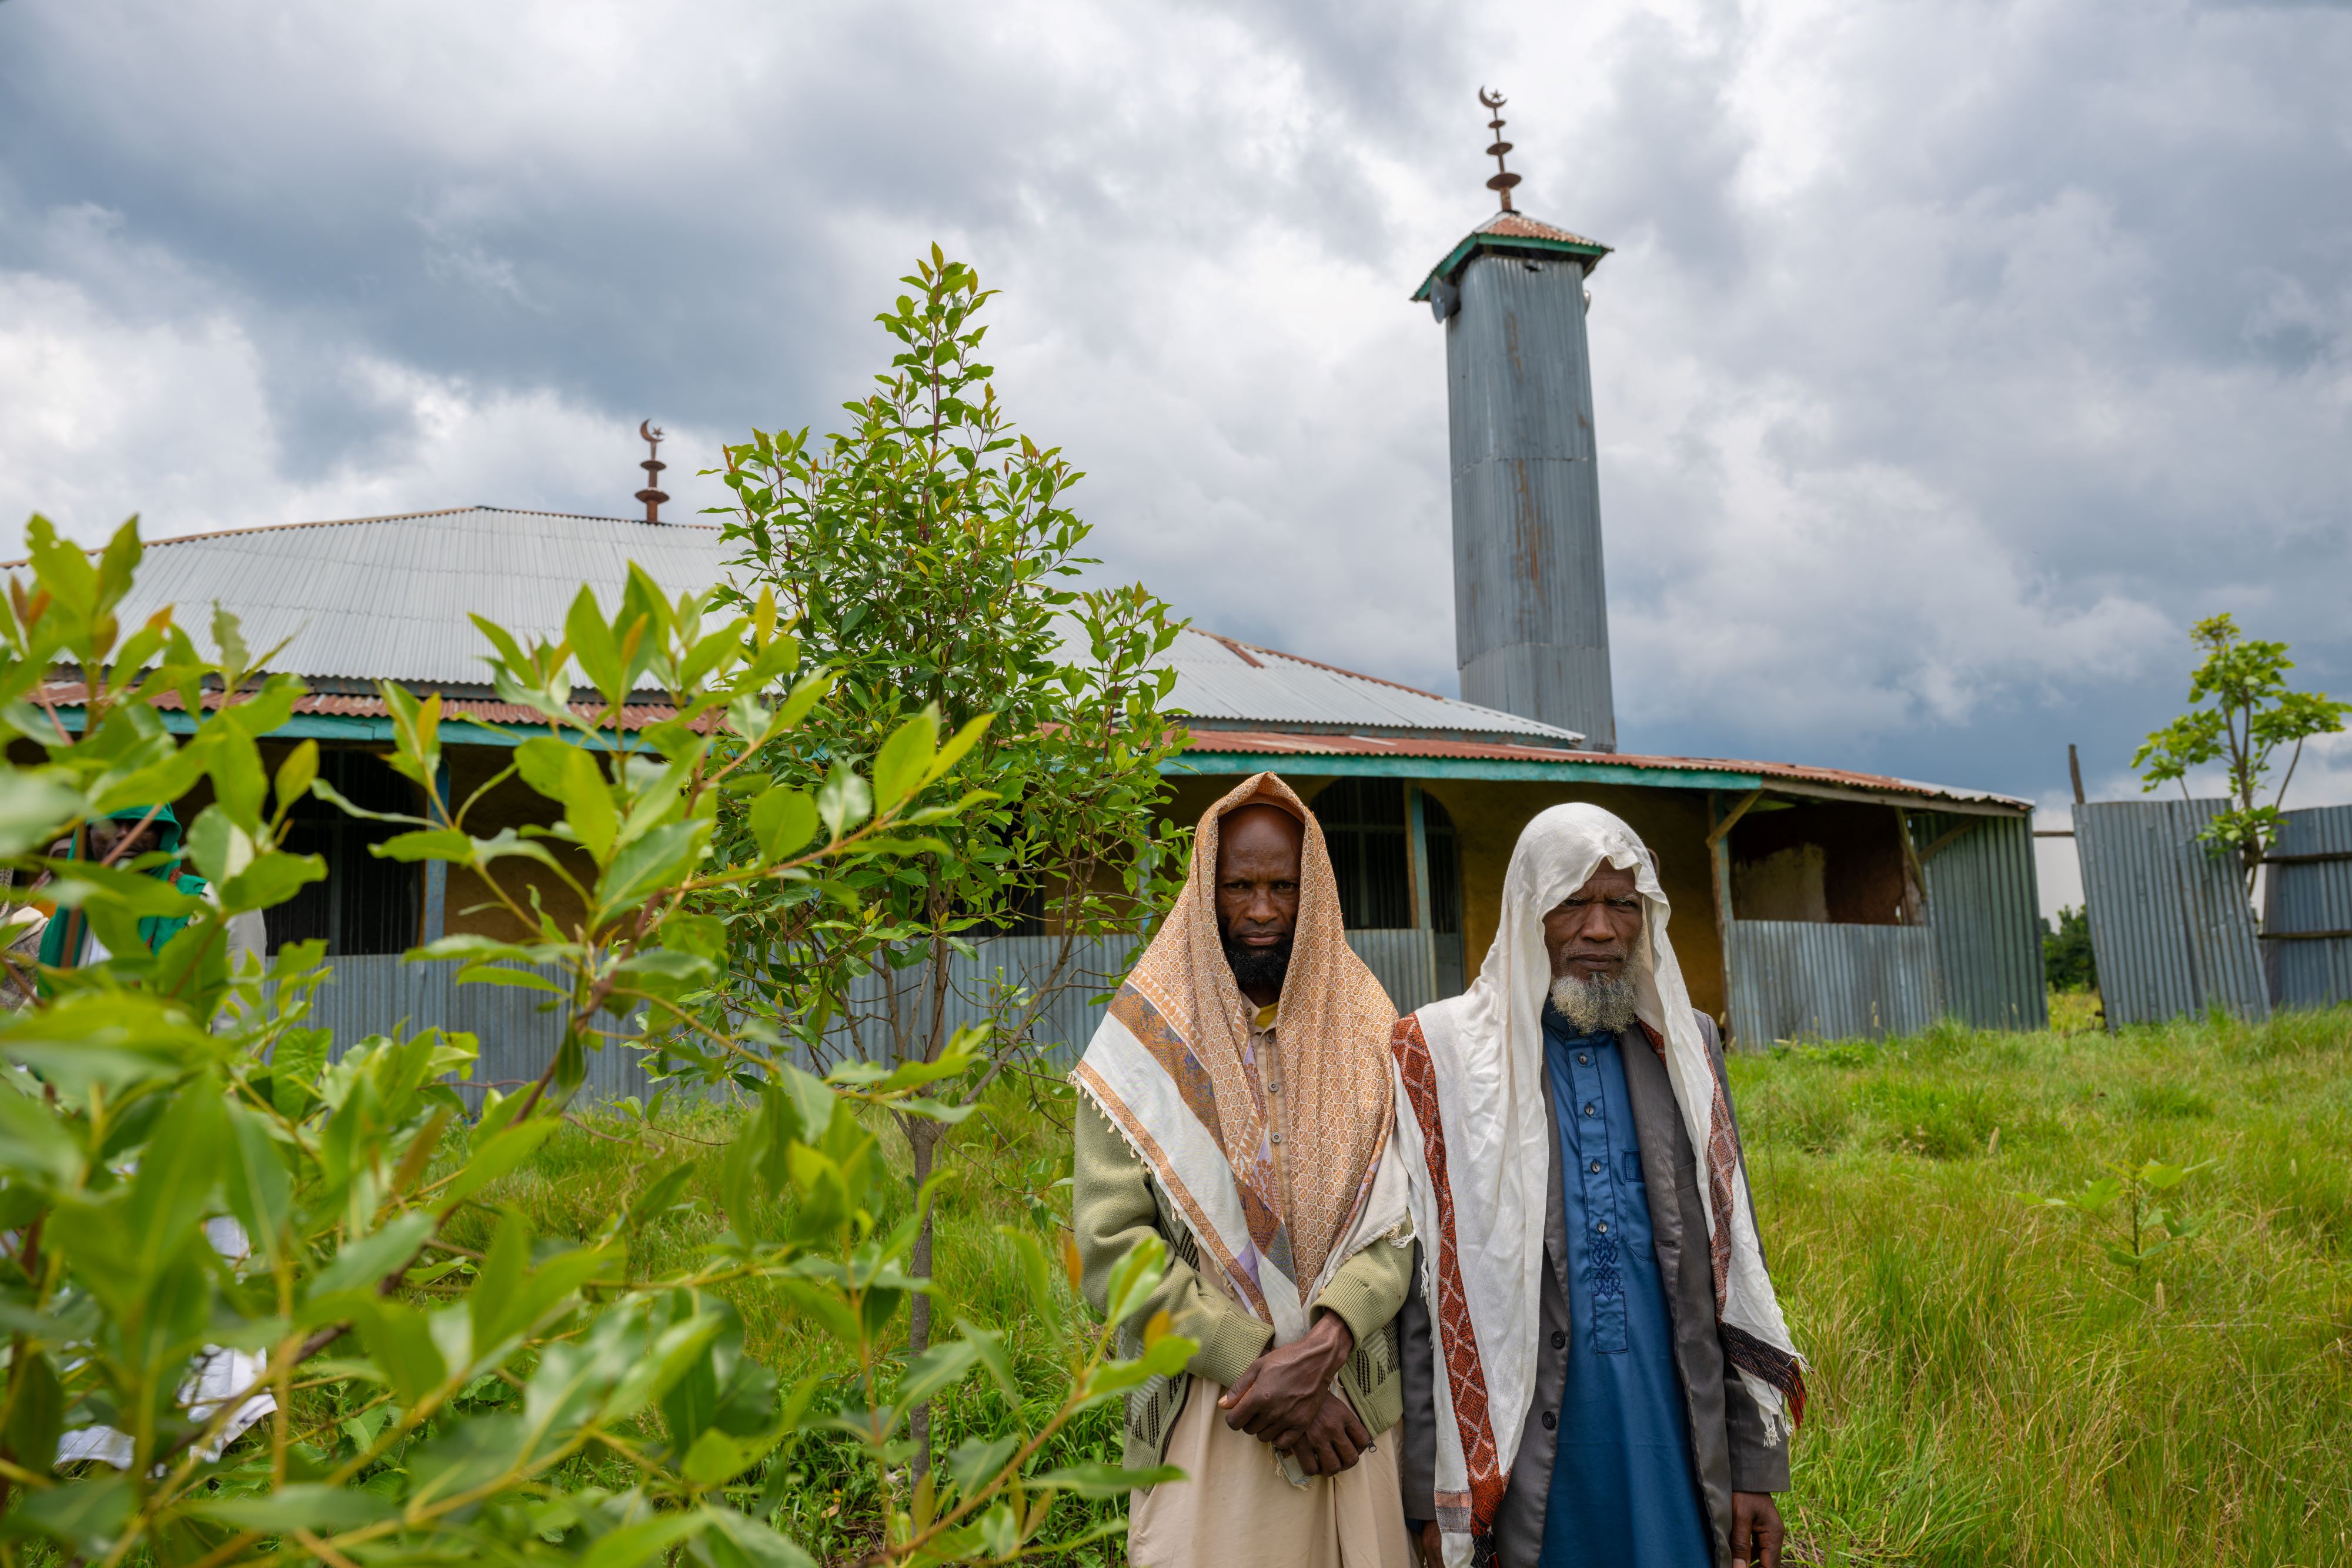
[(1589, 252)]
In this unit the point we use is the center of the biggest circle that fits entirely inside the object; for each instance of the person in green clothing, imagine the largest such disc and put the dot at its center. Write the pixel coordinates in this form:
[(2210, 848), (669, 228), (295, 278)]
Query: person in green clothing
[(1238, 1102), (68, 943)]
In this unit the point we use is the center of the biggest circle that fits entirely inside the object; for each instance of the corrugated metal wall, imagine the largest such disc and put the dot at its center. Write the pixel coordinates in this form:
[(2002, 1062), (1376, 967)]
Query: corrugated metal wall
[(1795, 979), (1531, 611), (1985, 908), (378, 994), (2169, 922), (2316, 895), (382, 995)]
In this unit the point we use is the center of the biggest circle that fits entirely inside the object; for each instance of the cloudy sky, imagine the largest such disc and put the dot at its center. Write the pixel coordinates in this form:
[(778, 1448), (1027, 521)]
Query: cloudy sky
[(1952, 359)]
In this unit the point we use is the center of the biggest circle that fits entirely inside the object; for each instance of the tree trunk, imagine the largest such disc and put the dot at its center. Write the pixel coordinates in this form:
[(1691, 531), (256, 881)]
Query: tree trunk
[(923, 1135)]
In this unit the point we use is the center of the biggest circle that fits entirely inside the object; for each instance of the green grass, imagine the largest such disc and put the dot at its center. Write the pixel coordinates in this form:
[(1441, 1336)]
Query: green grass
[(1989, 1388)]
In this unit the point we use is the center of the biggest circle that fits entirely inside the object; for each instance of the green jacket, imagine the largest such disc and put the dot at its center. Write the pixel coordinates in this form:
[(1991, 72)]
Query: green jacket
[(1115, 1203)]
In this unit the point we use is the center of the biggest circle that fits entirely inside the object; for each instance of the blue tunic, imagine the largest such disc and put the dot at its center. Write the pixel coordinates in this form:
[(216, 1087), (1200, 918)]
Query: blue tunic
[(1623, 1493)]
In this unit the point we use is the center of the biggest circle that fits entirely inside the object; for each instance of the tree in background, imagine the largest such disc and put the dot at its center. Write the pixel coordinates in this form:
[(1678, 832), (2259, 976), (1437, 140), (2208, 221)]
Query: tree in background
[(2067, 962), (2248, 714), (927, 557)]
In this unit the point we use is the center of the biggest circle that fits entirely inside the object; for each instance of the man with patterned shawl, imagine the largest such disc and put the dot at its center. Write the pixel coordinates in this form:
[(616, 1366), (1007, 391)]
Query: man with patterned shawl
[(1238, 1101), (1597, 1371)]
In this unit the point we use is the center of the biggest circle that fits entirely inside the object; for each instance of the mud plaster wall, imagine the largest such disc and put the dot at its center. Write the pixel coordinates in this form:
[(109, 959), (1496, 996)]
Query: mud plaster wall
[(1488, 817)]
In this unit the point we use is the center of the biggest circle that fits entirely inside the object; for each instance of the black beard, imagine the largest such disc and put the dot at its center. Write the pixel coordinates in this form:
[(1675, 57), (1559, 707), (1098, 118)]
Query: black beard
[(1258, 967)]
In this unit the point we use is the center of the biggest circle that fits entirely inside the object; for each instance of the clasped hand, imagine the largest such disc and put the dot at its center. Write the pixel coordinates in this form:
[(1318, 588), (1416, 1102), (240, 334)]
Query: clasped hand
[(1285, 1398)]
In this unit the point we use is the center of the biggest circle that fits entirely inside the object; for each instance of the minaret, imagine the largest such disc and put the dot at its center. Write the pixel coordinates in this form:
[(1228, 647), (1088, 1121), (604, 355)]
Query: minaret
[(1530, 604)]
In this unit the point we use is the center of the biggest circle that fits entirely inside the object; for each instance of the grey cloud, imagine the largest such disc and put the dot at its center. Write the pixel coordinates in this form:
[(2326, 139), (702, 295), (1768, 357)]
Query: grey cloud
[(1952, 360)]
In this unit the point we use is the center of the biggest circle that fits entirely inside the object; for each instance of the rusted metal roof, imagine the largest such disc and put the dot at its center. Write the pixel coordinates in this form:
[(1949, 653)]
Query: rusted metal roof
[(1705, 772), (72, 694), (1513, 234)]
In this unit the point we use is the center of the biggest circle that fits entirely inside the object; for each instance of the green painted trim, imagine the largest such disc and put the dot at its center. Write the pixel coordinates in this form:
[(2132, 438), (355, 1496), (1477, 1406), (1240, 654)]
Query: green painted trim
[(354, 728), (1505, 244), (1323, 764)]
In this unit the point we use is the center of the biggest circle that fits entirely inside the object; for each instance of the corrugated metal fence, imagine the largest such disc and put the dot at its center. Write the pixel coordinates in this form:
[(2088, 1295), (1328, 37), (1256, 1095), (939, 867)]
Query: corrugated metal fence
[(1986, 912), (2169, 924), (2303, 896), (378, 994), (382, 995), (1795, 979)]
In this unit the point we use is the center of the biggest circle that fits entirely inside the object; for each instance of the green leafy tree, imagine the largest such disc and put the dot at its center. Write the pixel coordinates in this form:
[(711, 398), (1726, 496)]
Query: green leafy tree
[(929, 556), (2068, 963), (527, 1399), (2247, 716)]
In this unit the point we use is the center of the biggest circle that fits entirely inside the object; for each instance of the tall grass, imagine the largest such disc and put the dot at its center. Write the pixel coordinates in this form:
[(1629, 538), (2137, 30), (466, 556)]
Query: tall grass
[(1989, 1387)]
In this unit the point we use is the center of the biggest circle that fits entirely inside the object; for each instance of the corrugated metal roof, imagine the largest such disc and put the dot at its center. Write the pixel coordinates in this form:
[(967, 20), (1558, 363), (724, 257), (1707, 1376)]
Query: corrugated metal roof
[(1287, 743), (1218, 678), (1518, 225), (1513, 234), (386, 598)]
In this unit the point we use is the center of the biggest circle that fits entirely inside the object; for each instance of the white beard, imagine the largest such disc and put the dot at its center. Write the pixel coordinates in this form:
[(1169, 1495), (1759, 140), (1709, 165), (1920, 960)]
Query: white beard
[(1595, 1005)]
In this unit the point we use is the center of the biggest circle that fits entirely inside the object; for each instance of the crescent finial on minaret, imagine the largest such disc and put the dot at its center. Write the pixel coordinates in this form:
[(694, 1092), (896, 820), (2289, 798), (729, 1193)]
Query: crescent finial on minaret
[(652, 495), (1503, 178)]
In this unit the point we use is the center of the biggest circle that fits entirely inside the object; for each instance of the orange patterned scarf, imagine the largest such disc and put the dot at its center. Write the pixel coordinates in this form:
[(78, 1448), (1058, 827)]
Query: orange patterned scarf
[(1181, 1008)]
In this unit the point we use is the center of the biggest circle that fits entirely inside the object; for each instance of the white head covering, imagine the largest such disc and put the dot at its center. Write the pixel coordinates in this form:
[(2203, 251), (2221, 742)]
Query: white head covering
[(1477, 1142)]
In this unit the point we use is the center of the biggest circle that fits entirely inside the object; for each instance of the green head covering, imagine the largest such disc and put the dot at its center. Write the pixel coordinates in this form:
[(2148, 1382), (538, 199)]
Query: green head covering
[(64, 934)]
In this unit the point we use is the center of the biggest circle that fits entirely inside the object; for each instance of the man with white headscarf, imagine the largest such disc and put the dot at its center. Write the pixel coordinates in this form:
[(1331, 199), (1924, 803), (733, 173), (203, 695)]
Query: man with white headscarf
[(1597, 1370), (1238, 1102)]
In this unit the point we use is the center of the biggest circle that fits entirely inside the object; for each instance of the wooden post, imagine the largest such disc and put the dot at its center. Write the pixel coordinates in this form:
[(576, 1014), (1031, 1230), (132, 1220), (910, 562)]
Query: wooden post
[(1417, 858), (433, 918), (1718, 860)]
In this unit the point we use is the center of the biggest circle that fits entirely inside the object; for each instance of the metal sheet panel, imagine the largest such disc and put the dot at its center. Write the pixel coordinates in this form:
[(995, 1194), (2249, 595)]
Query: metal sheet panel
[(1531, 614), (382, 995), (1985, 908), (2169, 923), (378, 994), (1809, 980), (2316, 895)]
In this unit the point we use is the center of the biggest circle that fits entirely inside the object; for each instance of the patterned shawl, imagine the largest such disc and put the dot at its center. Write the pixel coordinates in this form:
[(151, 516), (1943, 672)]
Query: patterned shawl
[(1477, 1145), (1172, 1067)]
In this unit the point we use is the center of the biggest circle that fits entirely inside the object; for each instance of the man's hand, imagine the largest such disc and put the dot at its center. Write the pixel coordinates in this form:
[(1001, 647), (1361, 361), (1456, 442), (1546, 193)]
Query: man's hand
[(1433, 1546), (1332, 1442), (1282, 1392), (1756, 1530)]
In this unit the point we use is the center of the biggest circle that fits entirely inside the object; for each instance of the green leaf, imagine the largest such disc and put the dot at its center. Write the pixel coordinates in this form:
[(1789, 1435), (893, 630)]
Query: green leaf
[(38, 1414), (260, 1194), (782, 820), (297, 774), (761, 1547), (399, 1339), (499, 1156), (1102, 1479), (935, 1369), (844, 801), (1135, 1277), (35, 811), (636, 1543), (901, 765), (177, 1172), (570, 776), (717, 1458), (87, 1514), (303, 1505), (363, 1263)]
